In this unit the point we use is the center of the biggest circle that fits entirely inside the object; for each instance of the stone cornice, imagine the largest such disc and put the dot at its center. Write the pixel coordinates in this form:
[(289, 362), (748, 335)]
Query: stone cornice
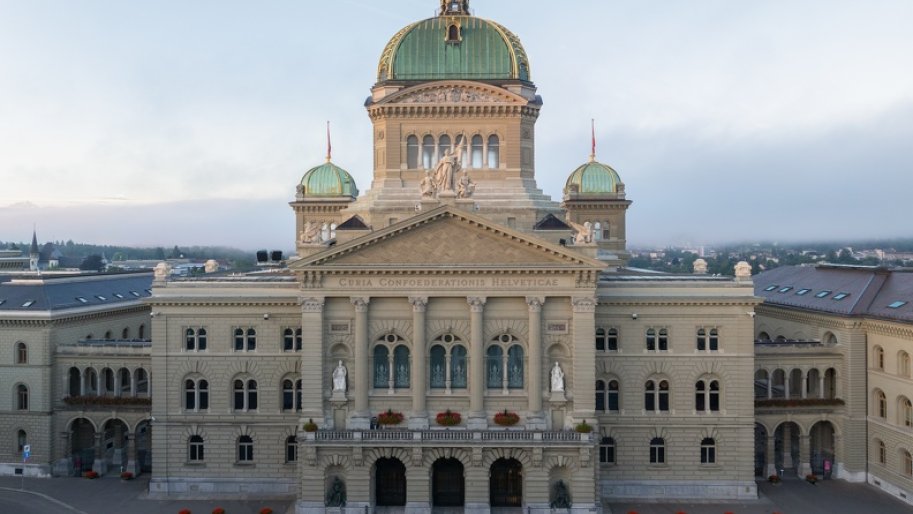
[(717, 301), (209, 301), (431, 111), (889, 328), (60, 318)]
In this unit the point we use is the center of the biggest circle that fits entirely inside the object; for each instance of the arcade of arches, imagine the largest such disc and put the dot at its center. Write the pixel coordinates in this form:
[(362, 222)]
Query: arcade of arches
[(109, 446), (792, 450)]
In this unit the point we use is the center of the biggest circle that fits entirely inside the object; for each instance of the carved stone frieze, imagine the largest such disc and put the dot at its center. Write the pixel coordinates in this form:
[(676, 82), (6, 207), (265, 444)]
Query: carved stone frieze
[(535, 303), (454, 94), (361, 303), (312, 304), (584, 304), (419, 303), (476, 303)]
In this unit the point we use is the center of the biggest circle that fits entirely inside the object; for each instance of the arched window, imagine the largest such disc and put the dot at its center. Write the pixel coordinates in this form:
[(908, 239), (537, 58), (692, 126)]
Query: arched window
[(607, 450), (123, 378), (291, 449), (597, 231), (763, 336), (298, 339), (907, 463), (905, 412), (613, 396), (428, 160), (707, 396), (651, 339), (761, 383), (141, 333), (22, 397), (402, 372), (881, 405), (91, 381), (239, 339), (107, 335), (656, 396), (107, 376), (663, 342), (453, 34), (288, 395), (494, 152), (190, 340), (701, 339), (903, 364), (515, 367), (412, 152), (438, 367), (882, 451), (22, 353), (495, 373), (142, 381), (600, 340), (196, 394), (714, 340), (600, 396), (74, 380), (458, 367), (878, 358), (125, 333), (708, 451), (245, 395), (612, 340), (381, 367), (245, 449), (443, 145), (22, 439), (251, 339), (245, 340), (291, 340), (201, 339), (477, 149), (195, 449), (657, 450)]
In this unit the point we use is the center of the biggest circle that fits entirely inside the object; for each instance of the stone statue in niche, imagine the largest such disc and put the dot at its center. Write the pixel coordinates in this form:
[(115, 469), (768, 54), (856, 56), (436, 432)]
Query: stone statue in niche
[(339, 378), (336, 496), (562, 496), (465, 186), (557, 379)]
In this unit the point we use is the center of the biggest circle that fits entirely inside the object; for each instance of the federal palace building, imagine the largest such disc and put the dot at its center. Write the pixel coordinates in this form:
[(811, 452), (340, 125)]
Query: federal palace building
[(454, 338)]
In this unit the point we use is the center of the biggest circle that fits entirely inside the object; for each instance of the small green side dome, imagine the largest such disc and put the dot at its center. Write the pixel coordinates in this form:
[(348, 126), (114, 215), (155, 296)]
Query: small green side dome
[(593, 178), (328, 180), (454, 48)]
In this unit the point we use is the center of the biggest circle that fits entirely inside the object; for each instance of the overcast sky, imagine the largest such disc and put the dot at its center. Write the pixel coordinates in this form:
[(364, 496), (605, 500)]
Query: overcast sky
[(176, 122)]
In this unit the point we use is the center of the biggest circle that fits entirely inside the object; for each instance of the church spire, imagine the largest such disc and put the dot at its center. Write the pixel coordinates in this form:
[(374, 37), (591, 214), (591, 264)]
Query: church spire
[(593, 147), (329, 144), (33, 249), (454, 7)]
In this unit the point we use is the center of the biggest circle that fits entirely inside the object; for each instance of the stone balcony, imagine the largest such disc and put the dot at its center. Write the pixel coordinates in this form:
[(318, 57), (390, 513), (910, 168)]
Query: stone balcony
[(459, 437), (798, 405)]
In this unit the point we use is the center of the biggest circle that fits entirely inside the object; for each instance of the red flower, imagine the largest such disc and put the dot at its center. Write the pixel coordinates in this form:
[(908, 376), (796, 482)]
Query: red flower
[(266, 510), (448, 418), (390, 417), (506, 419), (218, 510)]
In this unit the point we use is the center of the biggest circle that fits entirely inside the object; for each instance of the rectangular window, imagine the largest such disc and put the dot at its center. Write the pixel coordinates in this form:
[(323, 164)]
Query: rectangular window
[(708, 455)]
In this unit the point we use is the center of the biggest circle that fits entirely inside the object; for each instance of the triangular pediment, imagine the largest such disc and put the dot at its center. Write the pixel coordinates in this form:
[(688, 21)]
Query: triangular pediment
[(448, 239), (456, 92)]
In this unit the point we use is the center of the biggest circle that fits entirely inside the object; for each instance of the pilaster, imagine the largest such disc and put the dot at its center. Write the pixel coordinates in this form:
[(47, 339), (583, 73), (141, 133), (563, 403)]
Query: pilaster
[(478, 420), (312, 359), (584, 379), (535, 417), (419, 418), (361, 418)]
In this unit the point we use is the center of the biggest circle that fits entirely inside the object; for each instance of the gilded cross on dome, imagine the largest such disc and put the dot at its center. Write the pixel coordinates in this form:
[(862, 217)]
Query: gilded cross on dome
[(451, 7)]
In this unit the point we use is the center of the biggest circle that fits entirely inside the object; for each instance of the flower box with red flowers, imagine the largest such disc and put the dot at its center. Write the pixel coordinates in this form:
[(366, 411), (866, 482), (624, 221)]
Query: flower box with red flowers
[(126, 475), (506, 418), (218, 510), (390, 417), (448, 418), (91, 475)]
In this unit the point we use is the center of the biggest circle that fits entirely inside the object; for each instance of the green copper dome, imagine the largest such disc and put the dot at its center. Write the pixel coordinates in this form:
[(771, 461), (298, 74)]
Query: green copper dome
[(328, 180), (433, 49), (593, 178)]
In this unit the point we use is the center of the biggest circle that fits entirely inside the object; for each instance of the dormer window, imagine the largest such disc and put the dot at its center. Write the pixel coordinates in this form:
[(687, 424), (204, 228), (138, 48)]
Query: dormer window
[(454, 34)]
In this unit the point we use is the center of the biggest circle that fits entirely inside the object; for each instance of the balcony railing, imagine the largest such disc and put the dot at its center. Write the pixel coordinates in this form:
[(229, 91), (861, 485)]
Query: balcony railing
[(458, 435)]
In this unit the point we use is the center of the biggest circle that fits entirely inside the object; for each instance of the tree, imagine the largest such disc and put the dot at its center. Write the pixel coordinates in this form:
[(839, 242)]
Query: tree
[(160, 254), (176, 253), (92, 263)]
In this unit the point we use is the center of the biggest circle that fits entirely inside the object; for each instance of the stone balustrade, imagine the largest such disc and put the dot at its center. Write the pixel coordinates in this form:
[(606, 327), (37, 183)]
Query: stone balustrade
[(486, 437)]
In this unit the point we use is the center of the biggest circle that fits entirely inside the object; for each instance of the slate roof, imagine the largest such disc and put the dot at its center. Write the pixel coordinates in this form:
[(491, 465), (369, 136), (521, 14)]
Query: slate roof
[(58, 293), (843, 290)]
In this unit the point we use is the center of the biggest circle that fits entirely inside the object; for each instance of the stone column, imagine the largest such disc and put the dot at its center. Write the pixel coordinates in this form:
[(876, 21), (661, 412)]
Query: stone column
[(99, 465), (82, 382), (584, 378), (821, 393), (805, 466), (311, 360), (786, 387), (361, 418), (535, 418), (419, 418), (804, 391), (477, 417), (771, 456), (787, 447), (133, 463)]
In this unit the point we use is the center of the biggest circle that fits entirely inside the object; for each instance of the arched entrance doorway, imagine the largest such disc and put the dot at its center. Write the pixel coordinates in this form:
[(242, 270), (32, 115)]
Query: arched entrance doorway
[(82, 440), (143, 442), (447, 483), (115, 444), (786, 440), (389, 483), (506, 483), (760, 450), (821, 444)]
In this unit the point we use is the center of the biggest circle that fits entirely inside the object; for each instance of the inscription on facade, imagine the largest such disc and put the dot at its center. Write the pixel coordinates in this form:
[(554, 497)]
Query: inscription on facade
[(448, 283)]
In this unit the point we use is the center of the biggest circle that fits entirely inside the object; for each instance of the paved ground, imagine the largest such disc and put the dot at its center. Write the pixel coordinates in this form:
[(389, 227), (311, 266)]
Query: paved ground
[(107, 495), (792, 497), (110, 495)]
